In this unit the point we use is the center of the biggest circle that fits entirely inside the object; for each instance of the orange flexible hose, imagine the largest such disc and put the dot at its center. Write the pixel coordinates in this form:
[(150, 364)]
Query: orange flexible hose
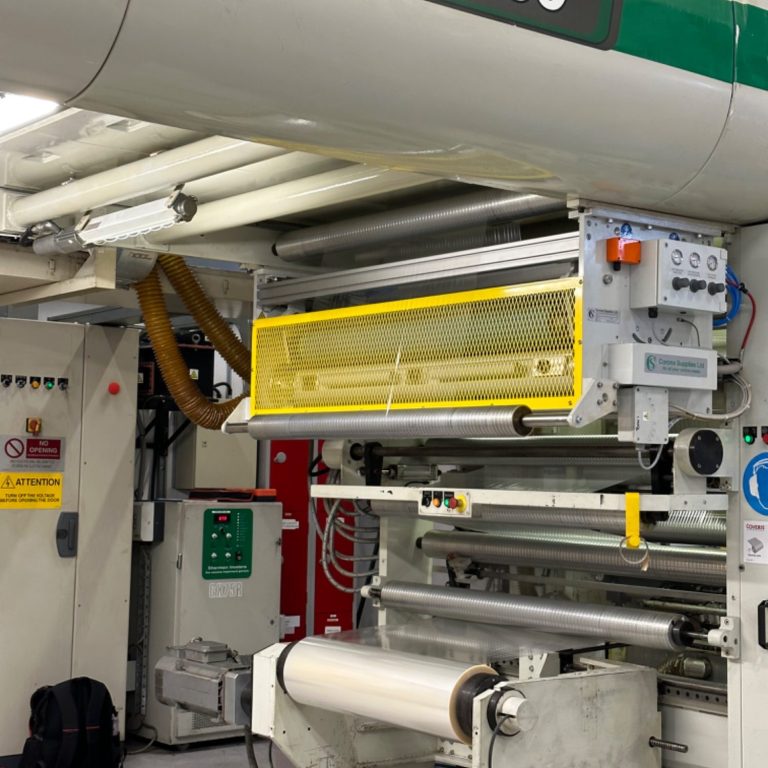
[(191, 401), (186, 285)]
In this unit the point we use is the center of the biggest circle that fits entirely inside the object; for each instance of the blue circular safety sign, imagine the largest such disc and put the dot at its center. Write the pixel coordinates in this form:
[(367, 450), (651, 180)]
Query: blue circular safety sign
[(755, 484)]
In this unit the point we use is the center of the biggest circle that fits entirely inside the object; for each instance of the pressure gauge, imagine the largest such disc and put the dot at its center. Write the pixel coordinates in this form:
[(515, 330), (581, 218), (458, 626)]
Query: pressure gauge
[(712, 262), (695, 260), (677, 257)]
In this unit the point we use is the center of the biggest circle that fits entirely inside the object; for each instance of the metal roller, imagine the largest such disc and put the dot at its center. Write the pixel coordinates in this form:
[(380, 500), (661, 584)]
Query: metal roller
[(581, 552), (622, 625), (682, 527), (442, 422)]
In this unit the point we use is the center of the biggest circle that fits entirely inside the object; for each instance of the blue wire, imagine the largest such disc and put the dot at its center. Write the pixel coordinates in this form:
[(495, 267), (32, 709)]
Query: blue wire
[(736, 299)]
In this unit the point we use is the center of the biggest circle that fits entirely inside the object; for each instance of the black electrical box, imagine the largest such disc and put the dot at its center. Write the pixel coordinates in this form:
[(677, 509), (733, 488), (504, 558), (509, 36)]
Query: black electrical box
[(198, 354)]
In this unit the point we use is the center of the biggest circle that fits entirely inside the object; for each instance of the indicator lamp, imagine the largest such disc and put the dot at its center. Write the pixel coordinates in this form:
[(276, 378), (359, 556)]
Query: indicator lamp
[(35, 384), (749, 439), (49, 385), (750, 435)]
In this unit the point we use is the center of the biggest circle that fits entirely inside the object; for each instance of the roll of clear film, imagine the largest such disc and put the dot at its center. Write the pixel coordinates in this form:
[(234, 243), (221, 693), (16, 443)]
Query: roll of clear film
[(418, 693)]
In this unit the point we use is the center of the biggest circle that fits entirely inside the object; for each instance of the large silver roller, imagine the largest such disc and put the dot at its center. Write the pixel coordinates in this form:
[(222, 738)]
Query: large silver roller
[(622, 625), (682, 527), (581, 551), (438, 422)]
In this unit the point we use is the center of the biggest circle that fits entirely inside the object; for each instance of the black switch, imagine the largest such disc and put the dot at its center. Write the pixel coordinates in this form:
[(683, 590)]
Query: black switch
[(680, 282), (715, 288), (698, 285)]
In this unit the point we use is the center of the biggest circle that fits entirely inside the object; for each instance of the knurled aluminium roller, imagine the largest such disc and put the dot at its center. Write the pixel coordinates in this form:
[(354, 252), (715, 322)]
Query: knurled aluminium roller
[(581, 551), (438, 422), (622, 625), (682, 527)]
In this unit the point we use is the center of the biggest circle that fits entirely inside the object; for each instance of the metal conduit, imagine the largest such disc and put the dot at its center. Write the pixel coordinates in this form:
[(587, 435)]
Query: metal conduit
[(413, 222), (622, 625), (439, 422), (580, 552)]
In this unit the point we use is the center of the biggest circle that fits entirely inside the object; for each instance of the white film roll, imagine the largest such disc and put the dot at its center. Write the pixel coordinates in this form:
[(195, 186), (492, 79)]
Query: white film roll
[(414, 692)]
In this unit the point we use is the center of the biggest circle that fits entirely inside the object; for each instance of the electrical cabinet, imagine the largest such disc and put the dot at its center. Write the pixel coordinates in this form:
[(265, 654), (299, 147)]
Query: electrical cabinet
[(67, 425), (216, 575)]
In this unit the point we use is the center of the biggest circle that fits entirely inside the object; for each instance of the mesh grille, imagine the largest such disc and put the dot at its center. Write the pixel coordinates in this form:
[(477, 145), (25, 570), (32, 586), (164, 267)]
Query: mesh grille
[(519, 345)]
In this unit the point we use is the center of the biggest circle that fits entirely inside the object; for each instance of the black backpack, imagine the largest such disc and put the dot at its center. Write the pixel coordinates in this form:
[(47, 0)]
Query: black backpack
[(73, 725)]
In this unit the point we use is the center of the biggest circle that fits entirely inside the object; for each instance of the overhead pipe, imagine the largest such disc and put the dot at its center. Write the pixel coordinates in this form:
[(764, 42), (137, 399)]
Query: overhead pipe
[(418, 221), (581, 552), (161, 171), (340, 186), (265, 173), (104, 141)]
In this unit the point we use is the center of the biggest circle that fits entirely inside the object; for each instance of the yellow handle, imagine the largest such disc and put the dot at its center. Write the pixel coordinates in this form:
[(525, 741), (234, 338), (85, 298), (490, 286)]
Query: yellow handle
[(632, 531)]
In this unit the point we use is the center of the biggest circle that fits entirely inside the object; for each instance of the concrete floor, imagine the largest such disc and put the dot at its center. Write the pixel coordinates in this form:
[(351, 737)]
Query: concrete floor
[(227, 755)]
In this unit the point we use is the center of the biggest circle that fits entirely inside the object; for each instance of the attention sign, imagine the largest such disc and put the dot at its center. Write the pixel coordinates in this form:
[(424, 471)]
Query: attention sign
[(28, 490)]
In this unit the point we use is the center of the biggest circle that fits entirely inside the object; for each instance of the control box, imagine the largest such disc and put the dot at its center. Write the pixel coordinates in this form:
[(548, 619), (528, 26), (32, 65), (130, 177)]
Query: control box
[(445, 503), (680, 276)]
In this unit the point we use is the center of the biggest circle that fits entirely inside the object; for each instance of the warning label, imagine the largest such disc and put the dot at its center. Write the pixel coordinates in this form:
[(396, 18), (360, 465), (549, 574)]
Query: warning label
[(31, 490), (31, 454)]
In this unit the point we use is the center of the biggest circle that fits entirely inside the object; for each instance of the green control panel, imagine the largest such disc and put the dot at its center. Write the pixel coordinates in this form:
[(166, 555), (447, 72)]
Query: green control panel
[(227, 544)]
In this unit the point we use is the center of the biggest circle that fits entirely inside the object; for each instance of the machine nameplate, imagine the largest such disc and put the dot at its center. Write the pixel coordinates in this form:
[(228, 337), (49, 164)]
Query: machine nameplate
[(676, 365), (21, 453), (31, 490), (225, 589), (227, 544), (592, 22), (610, 316)]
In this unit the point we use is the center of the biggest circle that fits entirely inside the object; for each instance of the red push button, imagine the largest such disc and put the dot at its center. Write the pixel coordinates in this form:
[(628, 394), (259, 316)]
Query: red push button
[(113, 388)]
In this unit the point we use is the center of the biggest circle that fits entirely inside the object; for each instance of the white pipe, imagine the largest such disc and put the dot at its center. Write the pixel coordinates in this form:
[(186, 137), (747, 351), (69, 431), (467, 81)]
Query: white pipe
[(324, 189), (159, 172), (267, 173), (88, 146)]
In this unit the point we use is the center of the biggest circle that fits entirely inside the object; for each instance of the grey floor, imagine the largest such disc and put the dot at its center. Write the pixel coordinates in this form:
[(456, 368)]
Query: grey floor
[(229, 755)]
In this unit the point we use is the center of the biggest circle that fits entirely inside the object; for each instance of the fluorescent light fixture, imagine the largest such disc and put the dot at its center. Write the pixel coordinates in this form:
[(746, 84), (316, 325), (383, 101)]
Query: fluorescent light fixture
[(139, 220), (119, 225), (16, 111)]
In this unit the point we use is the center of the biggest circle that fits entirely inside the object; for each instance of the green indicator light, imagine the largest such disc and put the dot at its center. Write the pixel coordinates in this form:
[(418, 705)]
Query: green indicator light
[(447, 503), (49, 385), (749, 439)]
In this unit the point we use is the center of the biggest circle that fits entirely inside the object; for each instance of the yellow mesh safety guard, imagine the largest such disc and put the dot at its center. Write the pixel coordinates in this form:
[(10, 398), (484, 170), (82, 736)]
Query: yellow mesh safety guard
[(516, 345)]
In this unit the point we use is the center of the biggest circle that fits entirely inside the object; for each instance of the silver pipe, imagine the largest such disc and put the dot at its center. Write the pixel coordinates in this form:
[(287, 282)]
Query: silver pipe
[(622, 625), (540, 421), (580, 552), (443, 422), (413, 222)]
